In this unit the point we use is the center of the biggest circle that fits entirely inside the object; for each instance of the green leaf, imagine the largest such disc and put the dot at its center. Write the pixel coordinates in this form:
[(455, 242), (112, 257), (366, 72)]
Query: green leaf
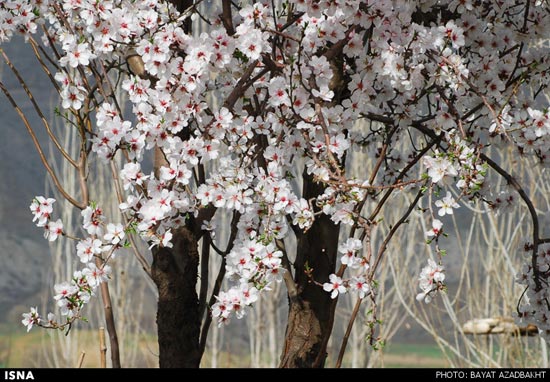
[(240, 55)]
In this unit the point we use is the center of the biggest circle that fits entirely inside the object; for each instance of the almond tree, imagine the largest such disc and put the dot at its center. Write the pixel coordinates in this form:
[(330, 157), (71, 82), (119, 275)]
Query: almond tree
[(301, 87)]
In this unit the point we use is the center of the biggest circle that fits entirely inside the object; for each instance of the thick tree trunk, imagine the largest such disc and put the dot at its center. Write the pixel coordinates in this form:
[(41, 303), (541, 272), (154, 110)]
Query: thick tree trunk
[(311, 313), (174, 271)]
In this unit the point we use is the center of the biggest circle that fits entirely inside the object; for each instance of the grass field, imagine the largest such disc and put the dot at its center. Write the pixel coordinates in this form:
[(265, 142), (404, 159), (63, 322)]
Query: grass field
[(414, 355), (34, 349)]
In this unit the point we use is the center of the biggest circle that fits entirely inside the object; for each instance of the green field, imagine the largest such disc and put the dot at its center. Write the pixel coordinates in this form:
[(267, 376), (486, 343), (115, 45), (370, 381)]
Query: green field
[(414, 355)]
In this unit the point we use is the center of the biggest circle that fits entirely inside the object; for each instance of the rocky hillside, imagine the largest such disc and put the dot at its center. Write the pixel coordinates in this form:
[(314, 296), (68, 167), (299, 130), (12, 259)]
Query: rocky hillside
[(23, 252)]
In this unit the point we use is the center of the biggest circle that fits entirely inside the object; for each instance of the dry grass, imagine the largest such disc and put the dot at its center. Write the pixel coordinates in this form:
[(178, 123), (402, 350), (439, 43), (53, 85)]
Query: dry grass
[(20, 349)]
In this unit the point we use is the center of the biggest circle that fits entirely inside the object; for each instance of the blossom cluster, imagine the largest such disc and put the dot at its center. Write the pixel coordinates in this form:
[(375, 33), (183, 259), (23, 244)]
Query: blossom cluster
[(71, 296), (255, 267), (42, 208), (359, 283), (431, 281), (533, 308)]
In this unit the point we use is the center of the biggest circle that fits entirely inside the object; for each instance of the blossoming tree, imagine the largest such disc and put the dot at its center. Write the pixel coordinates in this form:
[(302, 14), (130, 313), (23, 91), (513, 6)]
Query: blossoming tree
[(256, 118)]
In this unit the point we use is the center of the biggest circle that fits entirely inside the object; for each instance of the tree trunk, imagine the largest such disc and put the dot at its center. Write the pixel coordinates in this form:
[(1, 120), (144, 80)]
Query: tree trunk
[(311, 313), (174, 271)]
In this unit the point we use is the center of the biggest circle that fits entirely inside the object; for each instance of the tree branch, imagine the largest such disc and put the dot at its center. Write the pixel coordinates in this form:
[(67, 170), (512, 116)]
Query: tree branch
[(240, 87), (227, 17), (109, 320), (393, 229), (217, 285), (205, 257), (292, 290), (140, 258), (43, 158), (534, 217), (348, 332), (38, 110), (523, 195)]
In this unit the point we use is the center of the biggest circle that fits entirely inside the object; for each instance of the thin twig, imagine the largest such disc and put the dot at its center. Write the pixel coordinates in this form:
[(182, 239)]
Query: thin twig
[(402, 174), (523, 195), (102, 348), (40, 151), (379, 256), (37, 49), (388, 238), (109, 320), (348, 332), (38, 110), (534, 217), (80, 359)]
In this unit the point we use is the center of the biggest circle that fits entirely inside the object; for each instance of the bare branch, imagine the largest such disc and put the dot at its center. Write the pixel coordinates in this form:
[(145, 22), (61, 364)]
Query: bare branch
[(348, 332), (109, 320), (227, 17), (393, 229), (43, 158), (534, 217), (37, 49), (38, 109), (205, 257), (292, 290)]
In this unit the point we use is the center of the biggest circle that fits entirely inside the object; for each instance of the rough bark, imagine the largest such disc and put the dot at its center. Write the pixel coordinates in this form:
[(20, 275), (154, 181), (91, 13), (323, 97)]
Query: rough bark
[(311, 313), (174, 272)]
